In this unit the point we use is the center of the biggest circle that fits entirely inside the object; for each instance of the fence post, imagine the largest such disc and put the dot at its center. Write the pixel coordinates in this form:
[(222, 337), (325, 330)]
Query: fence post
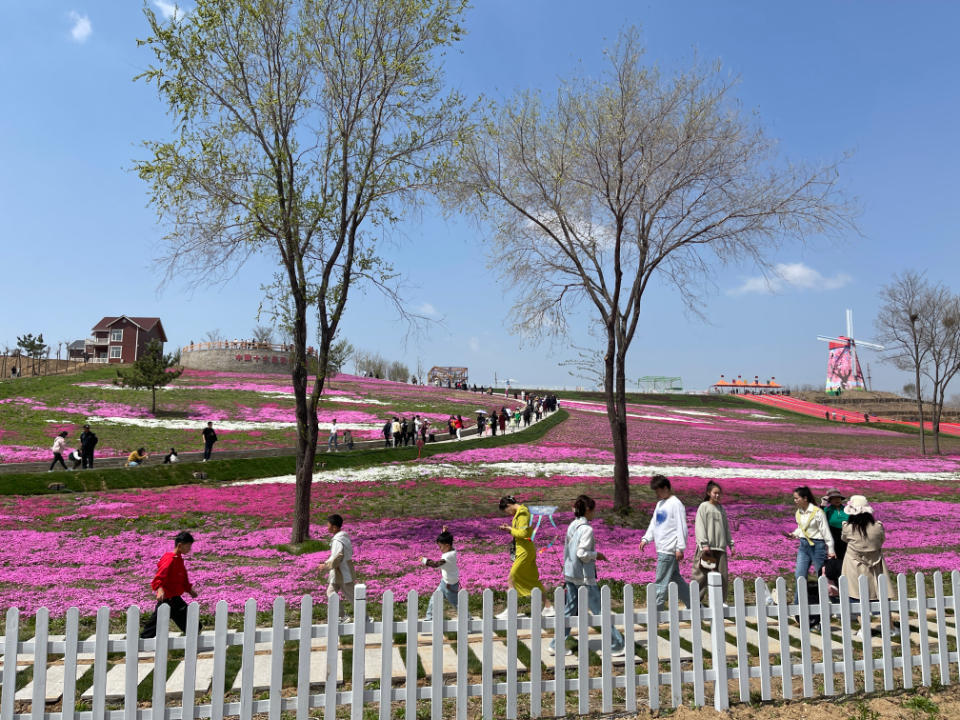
[(359, 651), (303, 657), (41, 633), (69, 663), (276, 656), (721, 701)]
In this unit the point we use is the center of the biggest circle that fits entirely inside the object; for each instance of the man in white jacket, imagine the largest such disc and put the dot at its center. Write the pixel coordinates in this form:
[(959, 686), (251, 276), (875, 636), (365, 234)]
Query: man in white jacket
[(340, 565), (668, 531)]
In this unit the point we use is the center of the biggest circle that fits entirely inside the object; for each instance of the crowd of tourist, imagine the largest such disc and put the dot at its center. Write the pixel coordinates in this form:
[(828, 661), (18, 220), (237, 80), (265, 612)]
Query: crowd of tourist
[(839, 530)]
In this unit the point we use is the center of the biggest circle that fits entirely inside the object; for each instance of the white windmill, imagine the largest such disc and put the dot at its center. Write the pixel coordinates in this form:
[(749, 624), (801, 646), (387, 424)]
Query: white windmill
[(843, 366)]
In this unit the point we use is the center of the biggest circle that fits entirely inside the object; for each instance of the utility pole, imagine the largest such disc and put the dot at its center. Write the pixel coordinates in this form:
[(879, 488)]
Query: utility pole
[(869, 378)]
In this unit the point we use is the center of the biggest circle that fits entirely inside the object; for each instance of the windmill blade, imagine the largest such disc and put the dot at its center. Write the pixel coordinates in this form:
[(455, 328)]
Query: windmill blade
[(869, 345), (830, 339)]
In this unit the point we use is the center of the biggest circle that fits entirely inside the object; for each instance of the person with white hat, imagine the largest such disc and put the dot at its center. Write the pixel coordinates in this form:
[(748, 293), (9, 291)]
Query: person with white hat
[(864, 536)]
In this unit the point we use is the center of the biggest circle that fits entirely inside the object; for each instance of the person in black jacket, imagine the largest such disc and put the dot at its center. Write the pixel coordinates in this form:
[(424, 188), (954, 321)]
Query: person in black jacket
[(88, 441), (209, 438)]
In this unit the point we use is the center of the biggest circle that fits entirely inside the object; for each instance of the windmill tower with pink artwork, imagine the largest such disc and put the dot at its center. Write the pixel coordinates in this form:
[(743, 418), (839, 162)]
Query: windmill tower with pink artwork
[(843, 365)]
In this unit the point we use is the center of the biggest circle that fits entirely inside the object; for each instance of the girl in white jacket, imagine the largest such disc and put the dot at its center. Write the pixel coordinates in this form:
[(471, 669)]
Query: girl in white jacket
[(59, 447)]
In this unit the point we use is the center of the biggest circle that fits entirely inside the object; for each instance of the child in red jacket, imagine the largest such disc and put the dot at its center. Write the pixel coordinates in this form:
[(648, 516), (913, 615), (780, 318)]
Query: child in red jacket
[(170, 583)]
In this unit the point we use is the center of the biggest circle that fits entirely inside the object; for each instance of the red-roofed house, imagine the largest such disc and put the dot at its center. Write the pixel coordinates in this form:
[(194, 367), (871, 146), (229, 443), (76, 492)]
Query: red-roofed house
[(122, 339)]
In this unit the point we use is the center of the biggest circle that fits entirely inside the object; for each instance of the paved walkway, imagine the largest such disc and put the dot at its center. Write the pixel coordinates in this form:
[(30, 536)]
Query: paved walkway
[(197, 456)]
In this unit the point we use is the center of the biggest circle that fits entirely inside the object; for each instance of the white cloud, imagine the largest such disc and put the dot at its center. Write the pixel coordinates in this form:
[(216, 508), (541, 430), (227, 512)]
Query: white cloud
[(791, 276), (169, 10), (82, 28), (428, 310)]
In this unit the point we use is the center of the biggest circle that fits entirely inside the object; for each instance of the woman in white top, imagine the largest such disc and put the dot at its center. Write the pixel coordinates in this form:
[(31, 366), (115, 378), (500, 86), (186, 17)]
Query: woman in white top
[(813, 532)]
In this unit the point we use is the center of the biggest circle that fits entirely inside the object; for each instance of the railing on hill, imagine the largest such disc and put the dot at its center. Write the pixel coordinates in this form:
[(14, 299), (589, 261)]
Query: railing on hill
[(243, 345), (761, 652)]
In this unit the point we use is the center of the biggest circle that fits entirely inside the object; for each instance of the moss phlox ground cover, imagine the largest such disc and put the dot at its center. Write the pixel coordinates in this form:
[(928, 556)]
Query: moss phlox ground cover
[(101, 548)]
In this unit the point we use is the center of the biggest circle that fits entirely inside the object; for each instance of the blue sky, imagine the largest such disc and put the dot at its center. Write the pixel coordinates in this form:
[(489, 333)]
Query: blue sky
[(877, 79)]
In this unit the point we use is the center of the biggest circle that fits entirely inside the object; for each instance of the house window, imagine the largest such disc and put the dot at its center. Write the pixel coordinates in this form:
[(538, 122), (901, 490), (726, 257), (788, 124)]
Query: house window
[(116, 336), (115, 351)]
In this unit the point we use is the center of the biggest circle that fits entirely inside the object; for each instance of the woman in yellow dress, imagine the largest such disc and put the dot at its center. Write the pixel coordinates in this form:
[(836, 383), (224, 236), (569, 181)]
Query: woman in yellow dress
[(524, 575)]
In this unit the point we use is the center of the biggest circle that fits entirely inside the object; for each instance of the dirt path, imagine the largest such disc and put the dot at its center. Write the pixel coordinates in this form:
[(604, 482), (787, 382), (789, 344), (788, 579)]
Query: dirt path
[(921, 704)]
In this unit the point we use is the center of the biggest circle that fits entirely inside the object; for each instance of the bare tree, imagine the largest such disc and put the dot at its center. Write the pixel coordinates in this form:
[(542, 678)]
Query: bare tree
[(371, 363), (905, 300), (214, 336), (940, 334), (398, 372), (262, 334), (622, 179), (300, 124)]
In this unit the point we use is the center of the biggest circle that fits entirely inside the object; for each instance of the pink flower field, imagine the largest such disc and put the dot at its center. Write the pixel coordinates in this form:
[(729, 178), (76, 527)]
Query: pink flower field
[(100, 548)]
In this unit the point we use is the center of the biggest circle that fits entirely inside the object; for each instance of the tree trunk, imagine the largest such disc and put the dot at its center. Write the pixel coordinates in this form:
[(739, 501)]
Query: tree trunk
[(306, 450), (937, 410), (923, 436), (614, 388), (153, 409)]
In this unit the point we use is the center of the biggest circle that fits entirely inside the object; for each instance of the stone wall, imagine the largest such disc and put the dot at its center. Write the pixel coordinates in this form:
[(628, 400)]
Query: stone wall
[(236, 360)]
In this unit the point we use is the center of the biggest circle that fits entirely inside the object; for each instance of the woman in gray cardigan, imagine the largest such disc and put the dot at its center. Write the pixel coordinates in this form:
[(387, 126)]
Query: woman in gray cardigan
[(712, 532)]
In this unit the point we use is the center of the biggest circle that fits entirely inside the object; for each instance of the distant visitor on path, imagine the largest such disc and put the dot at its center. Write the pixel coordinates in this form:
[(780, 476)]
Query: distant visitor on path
[(171, 457), (449, 572), (170, 583), (668, 531), (209, 438), (137, 458), (340, 565), (59, 447), (813, 533), (580, 569), (712, 532), (88, 441), (332, 440), (524, 575), (347, 439)]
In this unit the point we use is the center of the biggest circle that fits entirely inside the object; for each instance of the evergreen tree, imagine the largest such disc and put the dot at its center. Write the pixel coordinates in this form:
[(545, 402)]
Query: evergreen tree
[(152, 370)]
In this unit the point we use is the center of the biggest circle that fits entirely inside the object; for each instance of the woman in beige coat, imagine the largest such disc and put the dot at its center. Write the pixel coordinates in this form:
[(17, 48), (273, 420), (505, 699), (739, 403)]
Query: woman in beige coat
[(864, 536)]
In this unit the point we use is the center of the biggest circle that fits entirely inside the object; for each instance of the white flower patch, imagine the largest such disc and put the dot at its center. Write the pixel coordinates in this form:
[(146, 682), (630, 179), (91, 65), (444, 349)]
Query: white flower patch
[(695, 412), (397, 473), (343, 399), (175, 424), (658, 418)]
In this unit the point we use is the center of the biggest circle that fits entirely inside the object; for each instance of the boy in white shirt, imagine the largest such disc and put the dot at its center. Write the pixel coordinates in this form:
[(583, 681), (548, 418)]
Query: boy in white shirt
[(340, 565), (668, 530), (449, 572)]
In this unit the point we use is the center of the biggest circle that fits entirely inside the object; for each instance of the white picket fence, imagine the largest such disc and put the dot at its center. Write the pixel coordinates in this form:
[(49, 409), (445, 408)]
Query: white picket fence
[(761, 653)]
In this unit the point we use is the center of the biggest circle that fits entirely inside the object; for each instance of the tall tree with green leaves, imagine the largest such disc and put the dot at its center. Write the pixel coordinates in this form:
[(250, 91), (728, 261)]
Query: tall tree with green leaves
[(151, 370), (302, 128), (33, 348), (634, 177)]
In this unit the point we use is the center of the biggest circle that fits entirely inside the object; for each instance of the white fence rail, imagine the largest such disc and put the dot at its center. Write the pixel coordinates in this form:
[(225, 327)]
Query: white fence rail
[(492, 666)]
